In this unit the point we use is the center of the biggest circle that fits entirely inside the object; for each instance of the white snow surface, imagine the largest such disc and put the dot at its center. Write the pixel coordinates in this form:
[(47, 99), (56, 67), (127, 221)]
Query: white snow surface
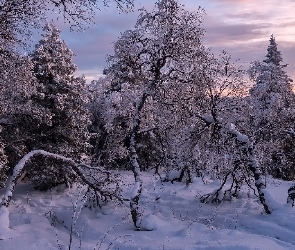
[(209, 118), (173, 218)]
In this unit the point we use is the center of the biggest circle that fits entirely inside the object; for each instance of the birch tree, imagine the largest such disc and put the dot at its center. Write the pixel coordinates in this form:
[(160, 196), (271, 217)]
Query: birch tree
[(150, 58)]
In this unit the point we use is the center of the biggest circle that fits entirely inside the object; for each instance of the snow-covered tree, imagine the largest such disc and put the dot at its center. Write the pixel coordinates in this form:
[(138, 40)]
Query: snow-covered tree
[(63, 96), (217, 152), (272, 102), (156, 62), (273, 56), (18, 17), (17, 110)]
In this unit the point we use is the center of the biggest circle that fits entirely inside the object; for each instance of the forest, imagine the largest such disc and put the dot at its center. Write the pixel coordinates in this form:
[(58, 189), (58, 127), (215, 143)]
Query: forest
[(170, 121)]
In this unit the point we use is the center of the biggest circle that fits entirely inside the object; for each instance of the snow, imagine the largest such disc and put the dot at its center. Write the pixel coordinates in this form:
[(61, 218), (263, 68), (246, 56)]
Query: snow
[(173, 174), (150, 222), (136, 189), (270, 201), (240, 137), (209, 118), (172, 218), (4, 219)]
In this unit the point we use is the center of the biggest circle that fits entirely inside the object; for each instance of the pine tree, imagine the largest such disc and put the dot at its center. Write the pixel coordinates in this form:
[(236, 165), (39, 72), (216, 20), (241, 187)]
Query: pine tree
[(273, 107), (63, 96)]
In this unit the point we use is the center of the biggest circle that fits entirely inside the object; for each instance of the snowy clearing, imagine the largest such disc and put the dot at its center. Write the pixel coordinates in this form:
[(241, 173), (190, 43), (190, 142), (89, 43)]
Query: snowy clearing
[(173, 219)]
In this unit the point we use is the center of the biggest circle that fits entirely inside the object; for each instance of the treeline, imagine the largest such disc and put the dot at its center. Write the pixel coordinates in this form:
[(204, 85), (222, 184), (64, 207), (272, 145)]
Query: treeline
[(166, 104)]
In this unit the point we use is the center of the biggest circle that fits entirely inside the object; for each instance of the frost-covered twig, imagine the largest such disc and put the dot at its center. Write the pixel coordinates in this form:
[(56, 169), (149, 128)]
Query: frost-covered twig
[(75, 215)]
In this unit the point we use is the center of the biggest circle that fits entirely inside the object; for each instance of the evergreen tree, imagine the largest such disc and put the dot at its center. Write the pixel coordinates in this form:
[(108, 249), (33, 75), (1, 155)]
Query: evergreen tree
[(273, 108), (63, 96), (17, 111), (273, 55)]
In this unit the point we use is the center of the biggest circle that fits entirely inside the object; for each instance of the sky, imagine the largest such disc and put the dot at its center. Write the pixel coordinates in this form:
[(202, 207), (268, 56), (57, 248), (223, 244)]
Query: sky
[(241, 27)]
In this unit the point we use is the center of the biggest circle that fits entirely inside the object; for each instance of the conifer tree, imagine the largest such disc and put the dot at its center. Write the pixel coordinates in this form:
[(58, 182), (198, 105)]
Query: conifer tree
[(63, 96), (17, 111), (273, 54), (273, 108)]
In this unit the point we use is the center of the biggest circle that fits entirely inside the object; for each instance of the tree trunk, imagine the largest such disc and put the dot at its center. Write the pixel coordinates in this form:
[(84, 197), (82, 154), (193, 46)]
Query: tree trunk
[(137, 189), (291, 196)]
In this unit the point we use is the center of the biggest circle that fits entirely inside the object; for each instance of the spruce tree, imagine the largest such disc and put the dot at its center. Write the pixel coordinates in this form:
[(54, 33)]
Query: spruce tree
[(273, 108), (17, 111), (63, 96), (273, 54)]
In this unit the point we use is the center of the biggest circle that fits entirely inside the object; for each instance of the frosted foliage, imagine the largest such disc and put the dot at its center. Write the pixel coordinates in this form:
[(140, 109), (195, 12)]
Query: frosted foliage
[(149, 87), (64, 96), (17, 82), (112, 119), (18, 17), (17, 86), (52, 56)]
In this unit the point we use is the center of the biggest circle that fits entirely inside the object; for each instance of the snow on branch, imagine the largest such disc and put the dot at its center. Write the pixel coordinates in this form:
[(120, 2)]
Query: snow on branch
[(208, 119), (247, 151), (265, 197), (10, 186)]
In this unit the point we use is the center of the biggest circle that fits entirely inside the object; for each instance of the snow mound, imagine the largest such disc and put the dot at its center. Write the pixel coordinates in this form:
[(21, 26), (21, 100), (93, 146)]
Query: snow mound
[(150, 222)]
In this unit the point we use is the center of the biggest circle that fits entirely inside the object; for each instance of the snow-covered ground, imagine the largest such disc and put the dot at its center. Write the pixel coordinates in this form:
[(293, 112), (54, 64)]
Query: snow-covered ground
[(172, 212)]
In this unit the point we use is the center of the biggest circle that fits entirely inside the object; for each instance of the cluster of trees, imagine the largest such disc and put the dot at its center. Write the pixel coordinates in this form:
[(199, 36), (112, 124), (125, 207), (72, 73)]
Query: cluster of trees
[(43, 107), (166, 103)]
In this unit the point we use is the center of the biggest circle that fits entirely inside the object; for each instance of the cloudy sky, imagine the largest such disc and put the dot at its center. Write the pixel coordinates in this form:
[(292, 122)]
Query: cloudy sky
[(241, 27)]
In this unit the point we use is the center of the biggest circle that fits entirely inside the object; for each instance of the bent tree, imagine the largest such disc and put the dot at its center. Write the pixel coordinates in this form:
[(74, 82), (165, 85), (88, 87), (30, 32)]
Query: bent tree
[(94, 177), (246, 155), (231, 149), (149, 58)]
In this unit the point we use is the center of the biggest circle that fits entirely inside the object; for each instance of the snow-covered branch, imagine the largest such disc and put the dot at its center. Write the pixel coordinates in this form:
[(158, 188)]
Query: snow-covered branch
[(247, 153), (266, 199), (10, 186)]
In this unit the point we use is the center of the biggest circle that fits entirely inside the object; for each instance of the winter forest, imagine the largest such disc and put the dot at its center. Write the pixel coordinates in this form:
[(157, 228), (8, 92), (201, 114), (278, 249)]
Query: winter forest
[(176, 147)]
